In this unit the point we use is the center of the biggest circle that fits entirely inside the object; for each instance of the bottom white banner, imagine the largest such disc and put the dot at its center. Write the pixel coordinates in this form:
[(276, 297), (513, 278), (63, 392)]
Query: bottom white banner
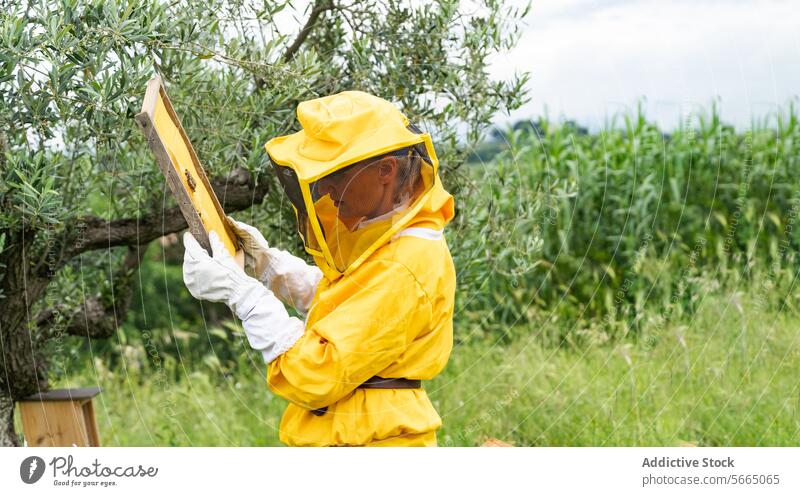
[(400, 471)]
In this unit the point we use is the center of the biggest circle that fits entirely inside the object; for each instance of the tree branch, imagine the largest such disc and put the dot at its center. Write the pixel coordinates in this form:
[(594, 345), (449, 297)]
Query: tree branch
[(320, 6), (94, 319), (237, 191)]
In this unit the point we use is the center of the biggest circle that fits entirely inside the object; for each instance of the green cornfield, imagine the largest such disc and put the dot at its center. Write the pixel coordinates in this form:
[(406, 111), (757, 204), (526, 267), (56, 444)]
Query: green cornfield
[(599, 227)]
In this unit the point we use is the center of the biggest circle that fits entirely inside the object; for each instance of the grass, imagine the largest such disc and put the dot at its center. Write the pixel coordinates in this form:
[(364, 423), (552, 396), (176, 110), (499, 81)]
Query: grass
[(726, 376)]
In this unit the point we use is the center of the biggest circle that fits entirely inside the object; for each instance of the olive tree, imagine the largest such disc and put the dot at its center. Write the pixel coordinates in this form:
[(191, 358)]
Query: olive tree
[(80, 195)]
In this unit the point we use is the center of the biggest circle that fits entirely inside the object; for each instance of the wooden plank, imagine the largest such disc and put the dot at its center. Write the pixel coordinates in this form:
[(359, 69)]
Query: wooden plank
[(173, 181), (56, 423), (90, 422), (185, 176)]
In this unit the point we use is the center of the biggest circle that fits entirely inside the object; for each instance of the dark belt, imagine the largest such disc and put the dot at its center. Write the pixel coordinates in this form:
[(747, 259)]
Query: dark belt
[(376, 382)]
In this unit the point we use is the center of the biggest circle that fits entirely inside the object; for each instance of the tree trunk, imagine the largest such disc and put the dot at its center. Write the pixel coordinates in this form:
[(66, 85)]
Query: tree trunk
[(24, 369), (8, 437)]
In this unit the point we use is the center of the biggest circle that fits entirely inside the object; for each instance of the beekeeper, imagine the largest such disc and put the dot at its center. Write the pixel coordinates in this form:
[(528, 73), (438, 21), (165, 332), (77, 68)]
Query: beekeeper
[(378, 306)]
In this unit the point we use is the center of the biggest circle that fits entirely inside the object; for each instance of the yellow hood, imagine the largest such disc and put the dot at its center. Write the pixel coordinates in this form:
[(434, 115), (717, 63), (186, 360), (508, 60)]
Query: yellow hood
[(437, 211), (342, 130)]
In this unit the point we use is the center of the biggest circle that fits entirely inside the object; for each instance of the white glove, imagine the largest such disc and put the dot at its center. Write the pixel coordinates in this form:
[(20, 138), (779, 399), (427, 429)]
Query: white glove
[(292, 280), (268, 326), (254, 246)]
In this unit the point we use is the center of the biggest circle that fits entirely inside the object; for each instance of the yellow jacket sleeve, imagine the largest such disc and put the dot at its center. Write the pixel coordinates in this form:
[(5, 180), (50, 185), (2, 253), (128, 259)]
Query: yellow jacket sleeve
[(366, 323)]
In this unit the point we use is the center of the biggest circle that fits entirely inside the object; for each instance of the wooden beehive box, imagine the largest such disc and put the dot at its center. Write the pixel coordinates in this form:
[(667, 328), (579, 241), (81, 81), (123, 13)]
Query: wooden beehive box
[(185, 176), (61, 417)]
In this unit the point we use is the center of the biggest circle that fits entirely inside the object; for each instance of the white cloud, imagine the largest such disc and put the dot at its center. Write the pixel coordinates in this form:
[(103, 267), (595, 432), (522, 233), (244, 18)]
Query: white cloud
[(589, 59)]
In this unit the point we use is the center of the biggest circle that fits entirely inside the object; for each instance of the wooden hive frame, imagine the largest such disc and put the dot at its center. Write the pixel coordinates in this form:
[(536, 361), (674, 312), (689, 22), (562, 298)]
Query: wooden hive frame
[(185, 176)]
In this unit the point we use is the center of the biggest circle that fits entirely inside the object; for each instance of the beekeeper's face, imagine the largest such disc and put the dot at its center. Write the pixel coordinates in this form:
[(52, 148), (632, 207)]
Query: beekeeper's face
[(363, 190)]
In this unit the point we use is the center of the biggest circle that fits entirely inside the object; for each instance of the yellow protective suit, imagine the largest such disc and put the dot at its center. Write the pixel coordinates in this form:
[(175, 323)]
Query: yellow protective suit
[(390, 317)]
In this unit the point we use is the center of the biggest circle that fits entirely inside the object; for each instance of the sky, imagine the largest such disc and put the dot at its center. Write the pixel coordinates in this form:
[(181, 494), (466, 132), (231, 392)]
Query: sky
[(591, 59)]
